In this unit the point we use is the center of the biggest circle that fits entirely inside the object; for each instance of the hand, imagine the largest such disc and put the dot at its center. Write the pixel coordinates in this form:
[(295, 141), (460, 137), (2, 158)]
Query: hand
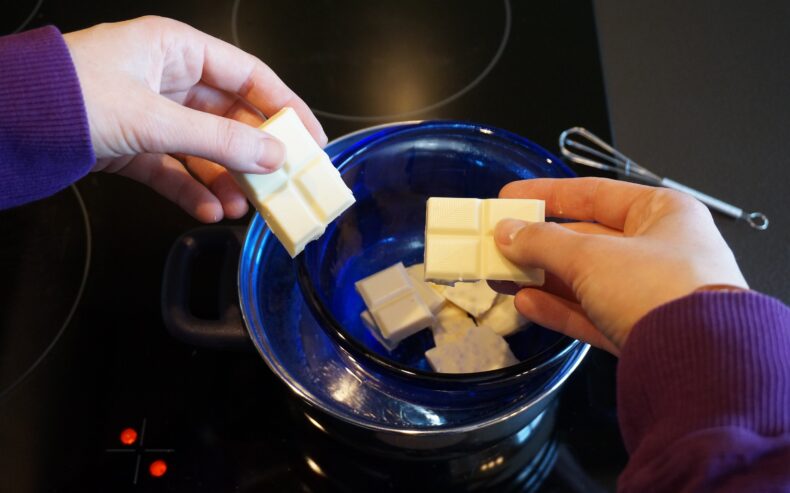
[(155, 91), (647, 246)]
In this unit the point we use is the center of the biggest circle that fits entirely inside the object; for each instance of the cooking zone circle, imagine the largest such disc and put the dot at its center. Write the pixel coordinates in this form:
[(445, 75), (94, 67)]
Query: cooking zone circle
[(44, 259), (391, 67), (17, 15)]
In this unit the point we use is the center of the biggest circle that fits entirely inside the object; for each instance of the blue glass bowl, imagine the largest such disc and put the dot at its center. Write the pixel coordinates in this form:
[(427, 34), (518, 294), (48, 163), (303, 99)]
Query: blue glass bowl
[(303, 316), (392, 174)]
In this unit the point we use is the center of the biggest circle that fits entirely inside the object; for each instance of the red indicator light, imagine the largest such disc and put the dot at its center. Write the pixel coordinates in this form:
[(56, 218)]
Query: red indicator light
[(128, 436), (158, 468)]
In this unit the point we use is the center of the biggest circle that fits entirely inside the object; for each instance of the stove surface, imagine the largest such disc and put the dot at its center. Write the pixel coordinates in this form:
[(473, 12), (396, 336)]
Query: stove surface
[(96, 396)]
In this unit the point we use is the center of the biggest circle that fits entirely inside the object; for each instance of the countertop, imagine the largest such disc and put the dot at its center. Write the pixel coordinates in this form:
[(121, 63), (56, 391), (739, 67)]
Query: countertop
[(698, 91)]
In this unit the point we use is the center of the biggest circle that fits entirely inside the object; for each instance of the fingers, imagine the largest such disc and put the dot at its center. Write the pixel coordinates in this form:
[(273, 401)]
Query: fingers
[(586, 199), (548, 246), (591, 228), (228, 68), (561, 315), (504, 287), (168, 177), (221, 184), (205, 98), (552, 284), (215, 177), (178, 129)]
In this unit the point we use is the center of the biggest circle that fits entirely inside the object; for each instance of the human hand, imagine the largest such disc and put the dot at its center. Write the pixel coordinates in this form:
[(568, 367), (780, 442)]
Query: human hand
[(163, 100), (647, 246)]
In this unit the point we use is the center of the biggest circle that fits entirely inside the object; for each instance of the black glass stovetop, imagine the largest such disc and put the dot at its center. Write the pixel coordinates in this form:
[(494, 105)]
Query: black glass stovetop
[(96, 396)]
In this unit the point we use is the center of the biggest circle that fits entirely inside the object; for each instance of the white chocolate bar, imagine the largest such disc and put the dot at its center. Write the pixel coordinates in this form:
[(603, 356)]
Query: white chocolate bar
[(394, 305), (302, 198), (474, 297), (503, 318), (459, 239), (480, 349), (425, 290)]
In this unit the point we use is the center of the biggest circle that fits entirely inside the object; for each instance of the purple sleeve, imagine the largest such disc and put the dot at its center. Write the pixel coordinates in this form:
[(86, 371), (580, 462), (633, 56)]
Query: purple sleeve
[(44, 138), (704, 395)]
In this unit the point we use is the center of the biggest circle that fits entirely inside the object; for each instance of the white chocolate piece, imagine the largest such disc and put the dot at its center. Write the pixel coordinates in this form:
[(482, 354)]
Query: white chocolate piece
[(393, 302), (402, 317), (302, 198), (481, 349), (451, 325), (474, 297), (367, 320), (459, 239), (370, 324), (431, 297), (384, 285), (503, 318), (417, 271)]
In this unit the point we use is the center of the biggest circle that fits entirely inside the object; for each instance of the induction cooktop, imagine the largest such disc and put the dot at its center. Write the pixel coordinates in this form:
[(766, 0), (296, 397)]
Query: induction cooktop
[(96, 396)]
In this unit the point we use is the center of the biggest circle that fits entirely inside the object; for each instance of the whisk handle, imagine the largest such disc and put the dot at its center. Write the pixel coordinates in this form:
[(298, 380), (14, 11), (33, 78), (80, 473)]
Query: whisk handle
[(711, 202)]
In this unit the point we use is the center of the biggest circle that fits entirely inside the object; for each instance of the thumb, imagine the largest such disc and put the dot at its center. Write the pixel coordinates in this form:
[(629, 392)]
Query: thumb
[(233, 144), (546, 246)]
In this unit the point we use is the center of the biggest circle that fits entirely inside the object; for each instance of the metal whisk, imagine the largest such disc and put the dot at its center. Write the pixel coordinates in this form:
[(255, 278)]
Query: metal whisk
[(600, 155)]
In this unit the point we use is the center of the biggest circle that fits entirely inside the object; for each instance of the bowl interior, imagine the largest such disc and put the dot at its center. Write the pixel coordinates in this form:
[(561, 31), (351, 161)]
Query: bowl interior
[(392, 176)]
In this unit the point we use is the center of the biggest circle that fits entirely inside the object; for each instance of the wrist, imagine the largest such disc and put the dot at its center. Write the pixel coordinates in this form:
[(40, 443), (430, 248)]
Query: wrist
[(721, 287)]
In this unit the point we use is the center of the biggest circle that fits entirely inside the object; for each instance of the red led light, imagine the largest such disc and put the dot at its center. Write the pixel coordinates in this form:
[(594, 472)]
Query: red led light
[(128, 436), (158, 468)]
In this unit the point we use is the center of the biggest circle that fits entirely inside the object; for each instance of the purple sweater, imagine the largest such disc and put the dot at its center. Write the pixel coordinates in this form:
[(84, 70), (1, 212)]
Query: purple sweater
[(703, 388), (703, 382), (44, 139)]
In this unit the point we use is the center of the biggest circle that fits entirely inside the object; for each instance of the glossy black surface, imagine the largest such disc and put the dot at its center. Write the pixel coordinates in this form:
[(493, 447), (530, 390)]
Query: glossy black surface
[(221, 420)]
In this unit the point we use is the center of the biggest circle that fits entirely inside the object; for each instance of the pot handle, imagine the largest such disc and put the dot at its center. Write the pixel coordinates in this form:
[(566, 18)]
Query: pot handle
[(226, 332)]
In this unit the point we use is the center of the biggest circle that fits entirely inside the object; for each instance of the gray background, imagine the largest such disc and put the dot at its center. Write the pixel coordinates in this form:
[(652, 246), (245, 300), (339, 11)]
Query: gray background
[(699, 91)]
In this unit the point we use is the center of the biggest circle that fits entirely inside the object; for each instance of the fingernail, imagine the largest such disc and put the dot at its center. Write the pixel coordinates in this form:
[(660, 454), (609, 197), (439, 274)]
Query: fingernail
[(271, 153), (507, 229)]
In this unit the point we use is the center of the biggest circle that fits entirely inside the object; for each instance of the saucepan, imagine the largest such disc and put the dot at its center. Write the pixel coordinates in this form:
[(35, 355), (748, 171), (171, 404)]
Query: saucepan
[(301, 314)]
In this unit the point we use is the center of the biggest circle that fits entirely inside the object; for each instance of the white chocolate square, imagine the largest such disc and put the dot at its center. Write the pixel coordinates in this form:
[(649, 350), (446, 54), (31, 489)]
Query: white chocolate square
[(402, 317), (480, 349), (453, 216), (459, 242), (258, 187), (494, 210), (474, 297), (290, 219), (307, 183), (394, 305), (432, 299), (503, 318), (324, 189), (367, 320), (456, 258), (300, 147), (384, 285), (370, 324)]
